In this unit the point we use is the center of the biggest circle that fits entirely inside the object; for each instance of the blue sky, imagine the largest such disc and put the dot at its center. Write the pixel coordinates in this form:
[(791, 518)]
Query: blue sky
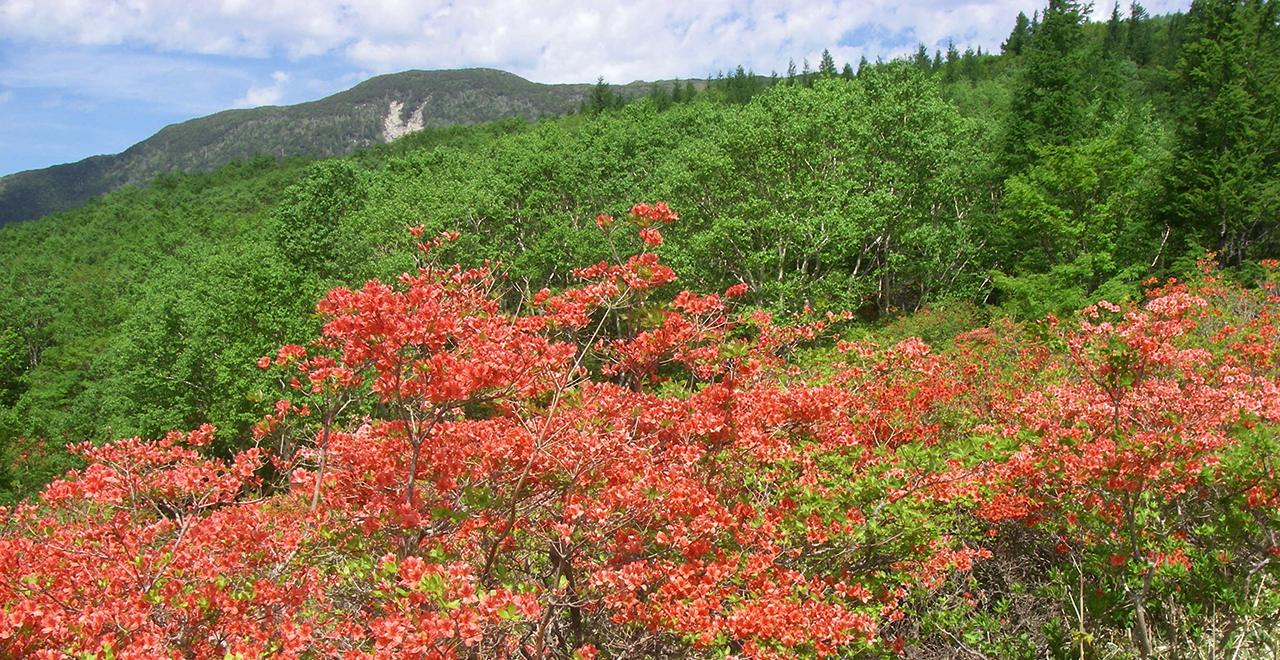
[(86, 77)]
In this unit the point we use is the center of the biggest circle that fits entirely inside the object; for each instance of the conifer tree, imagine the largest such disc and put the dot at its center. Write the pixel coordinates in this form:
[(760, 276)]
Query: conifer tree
[(952, 70), (741, 86), (969, 64), (1021, 29), (921, 58), (1115, 38), (1049, 98), (660, 97), (602, 98), (827, 66), (1222, 186), (1138, 35)]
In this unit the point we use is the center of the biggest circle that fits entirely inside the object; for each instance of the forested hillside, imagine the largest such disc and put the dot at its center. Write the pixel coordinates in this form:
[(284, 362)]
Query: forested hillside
[(376, 111), (934, 225)]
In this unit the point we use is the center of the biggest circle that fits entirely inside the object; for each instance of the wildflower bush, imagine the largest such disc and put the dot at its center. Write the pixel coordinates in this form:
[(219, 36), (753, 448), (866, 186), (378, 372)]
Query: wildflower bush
[(616, 471)]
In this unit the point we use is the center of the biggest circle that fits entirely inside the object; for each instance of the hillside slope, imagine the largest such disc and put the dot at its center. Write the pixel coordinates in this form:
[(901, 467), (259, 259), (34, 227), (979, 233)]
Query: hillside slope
[(377, 110)]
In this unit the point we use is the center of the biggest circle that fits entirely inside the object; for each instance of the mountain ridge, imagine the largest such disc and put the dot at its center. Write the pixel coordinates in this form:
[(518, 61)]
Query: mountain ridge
[(375, 111)]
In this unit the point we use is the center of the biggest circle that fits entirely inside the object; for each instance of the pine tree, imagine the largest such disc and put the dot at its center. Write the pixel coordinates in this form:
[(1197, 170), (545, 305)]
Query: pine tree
[(827, 66), (921, 59), (1049, 98), (1138, 34), (952, 70), (1222, 185), (1021, 29), (1108, 82), (969, 64), (741, 86), (601, 98), (660, 97), (1115, 39)]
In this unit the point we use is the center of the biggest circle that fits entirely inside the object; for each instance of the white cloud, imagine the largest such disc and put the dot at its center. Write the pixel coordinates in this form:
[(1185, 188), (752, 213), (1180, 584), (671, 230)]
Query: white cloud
[(548, 41), (268, 95), (6, 96)]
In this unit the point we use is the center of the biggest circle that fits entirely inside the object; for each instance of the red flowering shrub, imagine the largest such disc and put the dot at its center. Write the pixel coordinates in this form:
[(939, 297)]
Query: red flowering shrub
[(601, 475), (1134, 448)]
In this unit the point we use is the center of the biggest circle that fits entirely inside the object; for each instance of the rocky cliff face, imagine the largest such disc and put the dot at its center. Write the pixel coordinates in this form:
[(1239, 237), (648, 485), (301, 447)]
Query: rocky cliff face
[(395, 126)]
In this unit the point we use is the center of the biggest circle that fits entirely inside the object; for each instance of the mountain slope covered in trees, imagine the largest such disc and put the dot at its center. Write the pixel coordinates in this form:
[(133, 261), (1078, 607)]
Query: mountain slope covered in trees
[(373, 112)]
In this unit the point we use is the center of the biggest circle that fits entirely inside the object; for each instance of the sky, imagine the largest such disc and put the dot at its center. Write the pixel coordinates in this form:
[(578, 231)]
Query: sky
[(86, 77)]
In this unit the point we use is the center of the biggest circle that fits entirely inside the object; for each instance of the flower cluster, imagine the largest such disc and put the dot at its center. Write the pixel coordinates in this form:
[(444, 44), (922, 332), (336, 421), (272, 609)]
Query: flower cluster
[(603, 471)]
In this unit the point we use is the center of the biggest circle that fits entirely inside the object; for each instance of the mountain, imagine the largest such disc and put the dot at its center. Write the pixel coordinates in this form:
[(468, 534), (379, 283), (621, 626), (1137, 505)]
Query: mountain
[(377, 110)]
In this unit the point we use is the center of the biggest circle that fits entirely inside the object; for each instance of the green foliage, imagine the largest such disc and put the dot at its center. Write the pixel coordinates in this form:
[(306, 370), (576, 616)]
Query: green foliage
[(775, 209), (1069, 220), (953, 202), (186, 355), (1049, 100), (308, 223), (1222, 185), (936, 325), (827, 65), (13, 356), (123, 314), (1018, 38)]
